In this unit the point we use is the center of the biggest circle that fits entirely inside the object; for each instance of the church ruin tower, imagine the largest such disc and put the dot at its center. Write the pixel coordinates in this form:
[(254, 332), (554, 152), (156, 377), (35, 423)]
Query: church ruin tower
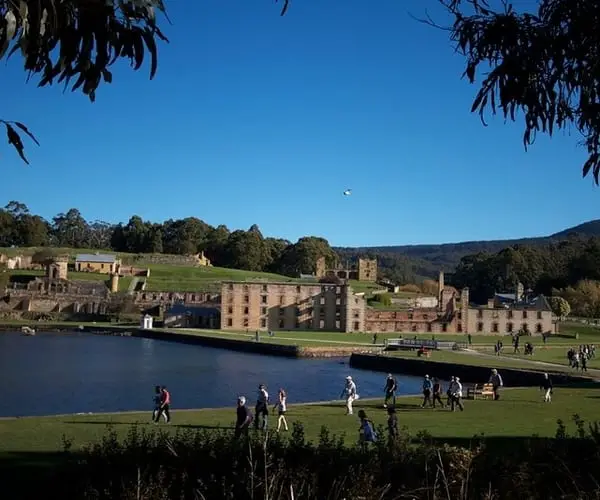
[(114, 283)]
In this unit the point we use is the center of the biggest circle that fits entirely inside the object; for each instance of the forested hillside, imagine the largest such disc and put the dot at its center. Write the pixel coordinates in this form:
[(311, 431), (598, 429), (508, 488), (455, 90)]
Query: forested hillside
[(427, 260), (250, 250)]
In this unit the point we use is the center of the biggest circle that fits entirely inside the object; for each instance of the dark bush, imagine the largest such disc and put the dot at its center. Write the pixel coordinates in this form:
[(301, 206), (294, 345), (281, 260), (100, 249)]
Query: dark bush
[(211, 464)]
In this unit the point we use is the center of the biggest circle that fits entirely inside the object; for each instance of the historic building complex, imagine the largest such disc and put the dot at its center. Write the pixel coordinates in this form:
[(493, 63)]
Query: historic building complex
[(270, 306), (297, 306)]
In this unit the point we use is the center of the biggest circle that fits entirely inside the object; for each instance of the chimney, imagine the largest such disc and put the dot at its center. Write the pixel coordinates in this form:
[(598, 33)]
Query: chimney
[(441, 284)]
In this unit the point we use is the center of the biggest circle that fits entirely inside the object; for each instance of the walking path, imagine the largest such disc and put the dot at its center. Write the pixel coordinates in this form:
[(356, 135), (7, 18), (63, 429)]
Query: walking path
[(591, 371), (293, 339)]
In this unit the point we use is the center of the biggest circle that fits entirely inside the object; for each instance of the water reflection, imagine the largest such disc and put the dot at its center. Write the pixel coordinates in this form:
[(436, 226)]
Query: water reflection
[(77, 372)]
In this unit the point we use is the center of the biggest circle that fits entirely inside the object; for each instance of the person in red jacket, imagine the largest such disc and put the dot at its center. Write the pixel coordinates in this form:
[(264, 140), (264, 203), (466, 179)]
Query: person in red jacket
[(165, 406)]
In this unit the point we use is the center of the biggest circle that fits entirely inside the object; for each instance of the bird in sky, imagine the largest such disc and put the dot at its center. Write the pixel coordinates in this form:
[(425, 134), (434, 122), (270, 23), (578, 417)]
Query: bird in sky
[(348, 192)]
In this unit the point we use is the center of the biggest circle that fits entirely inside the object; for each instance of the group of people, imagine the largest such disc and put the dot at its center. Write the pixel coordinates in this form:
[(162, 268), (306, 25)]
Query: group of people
[(432, 394), (433, 390), (162, 404), (578, 357), (245, 418)]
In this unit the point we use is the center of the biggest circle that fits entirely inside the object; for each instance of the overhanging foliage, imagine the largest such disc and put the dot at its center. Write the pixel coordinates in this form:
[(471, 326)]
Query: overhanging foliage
[(543, 63), (76, 41)]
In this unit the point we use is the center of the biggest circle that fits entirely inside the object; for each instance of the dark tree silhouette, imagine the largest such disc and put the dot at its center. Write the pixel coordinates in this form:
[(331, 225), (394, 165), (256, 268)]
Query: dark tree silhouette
[(544, 63), (76, 41)]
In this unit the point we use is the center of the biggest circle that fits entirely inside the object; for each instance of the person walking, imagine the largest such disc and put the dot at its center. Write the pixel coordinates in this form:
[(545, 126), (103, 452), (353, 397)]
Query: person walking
[(456, 390), (390, 390), (165, 405), (427, 388), (497, 382), (437, 392), (243, 417), (449, 391), (281, 406), (547, 386), (157, 401), (262, 407), (366, 430), (349, 392)]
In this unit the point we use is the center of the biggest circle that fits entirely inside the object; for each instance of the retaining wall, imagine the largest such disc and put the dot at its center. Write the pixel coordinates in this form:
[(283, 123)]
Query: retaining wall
[(470, 374)]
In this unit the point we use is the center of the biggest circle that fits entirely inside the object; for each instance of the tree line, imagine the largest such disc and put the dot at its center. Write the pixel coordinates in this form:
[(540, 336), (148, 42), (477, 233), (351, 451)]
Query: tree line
[(239, 249), (568, 269)]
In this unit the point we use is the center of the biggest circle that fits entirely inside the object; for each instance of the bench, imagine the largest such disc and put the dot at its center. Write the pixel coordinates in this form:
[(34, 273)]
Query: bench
[(483, 390)]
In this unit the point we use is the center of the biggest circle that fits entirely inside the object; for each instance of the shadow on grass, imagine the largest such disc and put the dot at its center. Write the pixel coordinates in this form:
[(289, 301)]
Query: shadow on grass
[(160, 426), (107, 422), (370, 405)]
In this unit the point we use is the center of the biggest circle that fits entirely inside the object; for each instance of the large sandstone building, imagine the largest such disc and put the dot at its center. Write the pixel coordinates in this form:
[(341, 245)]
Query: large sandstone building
[(263, 305)]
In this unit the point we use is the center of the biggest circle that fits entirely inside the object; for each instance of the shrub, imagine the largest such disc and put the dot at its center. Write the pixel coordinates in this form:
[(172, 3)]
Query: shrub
[(212, 464), (384, 299)]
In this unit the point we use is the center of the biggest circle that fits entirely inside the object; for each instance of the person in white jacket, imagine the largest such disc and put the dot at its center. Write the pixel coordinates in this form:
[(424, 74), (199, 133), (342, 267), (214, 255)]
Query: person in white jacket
[(349, 392), (496, 381), (456, 391)]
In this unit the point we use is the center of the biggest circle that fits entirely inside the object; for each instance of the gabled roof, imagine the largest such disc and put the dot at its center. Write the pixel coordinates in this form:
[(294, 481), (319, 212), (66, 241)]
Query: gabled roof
[(96, 257)]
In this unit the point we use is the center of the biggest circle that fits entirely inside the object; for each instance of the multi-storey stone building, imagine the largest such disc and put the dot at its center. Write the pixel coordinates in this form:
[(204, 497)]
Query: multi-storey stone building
[(363, 270), (262, 305)]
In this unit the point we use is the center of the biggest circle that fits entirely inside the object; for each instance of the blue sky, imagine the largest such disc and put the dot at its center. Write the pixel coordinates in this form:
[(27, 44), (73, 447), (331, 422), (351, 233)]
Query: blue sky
[(255, 118)]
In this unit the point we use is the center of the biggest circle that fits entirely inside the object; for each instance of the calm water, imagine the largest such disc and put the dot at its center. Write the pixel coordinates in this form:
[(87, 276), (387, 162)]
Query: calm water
[(71, 373)]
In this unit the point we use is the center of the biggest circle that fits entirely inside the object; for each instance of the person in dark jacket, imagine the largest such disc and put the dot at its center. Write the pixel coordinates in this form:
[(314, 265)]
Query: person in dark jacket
[(547, 387), (390, 390), (437, 392), (244, 418)]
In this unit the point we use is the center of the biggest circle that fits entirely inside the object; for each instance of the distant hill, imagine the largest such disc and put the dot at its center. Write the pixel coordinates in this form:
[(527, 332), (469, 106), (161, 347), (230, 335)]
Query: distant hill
[(427, 260)]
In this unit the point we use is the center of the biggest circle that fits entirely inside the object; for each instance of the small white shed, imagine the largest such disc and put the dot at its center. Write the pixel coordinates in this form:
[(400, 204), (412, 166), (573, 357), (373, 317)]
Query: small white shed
[(146, 322)]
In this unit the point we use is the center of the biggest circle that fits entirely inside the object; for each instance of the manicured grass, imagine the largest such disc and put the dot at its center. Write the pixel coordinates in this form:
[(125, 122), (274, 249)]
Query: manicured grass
[(303, 339), (520, 413), (192, 279), (365, 287), (503, 361)]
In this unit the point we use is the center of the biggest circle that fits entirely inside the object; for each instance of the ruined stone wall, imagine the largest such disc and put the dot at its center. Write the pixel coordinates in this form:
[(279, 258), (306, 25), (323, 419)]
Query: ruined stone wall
[(165, 259), (189, 298), (423, 321), (367, 270)]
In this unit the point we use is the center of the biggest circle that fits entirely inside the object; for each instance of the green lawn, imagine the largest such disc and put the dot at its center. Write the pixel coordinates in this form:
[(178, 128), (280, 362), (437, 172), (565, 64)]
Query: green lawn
[(503, 361), (366, 287), (520, 413), (192, 279)]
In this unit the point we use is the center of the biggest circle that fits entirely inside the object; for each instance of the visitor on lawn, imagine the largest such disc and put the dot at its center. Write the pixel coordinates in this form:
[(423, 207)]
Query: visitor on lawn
[(496, 381), (427, 388), (449, 391), (157, 400), (437, 392), (547, 387), (390, 390), (456, 389), (281, 406), (165, 405), (243, 417), (262, 407), (350, 394), (366, 430)]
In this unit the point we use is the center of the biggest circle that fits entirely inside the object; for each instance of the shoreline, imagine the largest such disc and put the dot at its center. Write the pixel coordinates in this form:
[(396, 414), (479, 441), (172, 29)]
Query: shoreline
[(249, 346), (189, 410)]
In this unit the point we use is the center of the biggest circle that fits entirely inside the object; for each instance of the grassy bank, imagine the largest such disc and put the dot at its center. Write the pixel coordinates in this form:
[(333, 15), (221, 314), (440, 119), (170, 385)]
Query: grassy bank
[(521, 413)]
